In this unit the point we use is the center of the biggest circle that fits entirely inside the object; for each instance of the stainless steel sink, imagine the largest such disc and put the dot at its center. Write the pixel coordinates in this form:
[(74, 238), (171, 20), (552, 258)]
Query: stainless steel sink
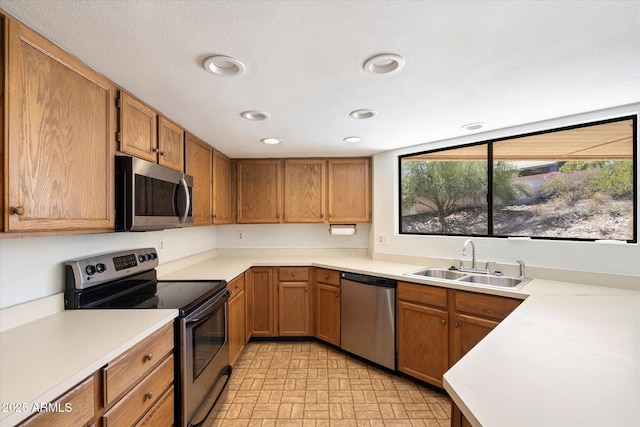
[(504, 282), (438, 273), (470, 277)]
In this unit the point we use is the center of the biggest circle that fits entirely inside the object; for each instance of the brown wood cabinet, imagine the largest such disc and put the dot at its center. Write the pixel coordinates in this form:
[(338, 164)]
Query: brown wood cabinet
[(327, 305), (294, 301), (262, 302), (145, 134), (349, 190), (304, 190), (423, 332), (222, 200), (60, 144), (76, 408), (237, 318), (199, 164), (259, 191)]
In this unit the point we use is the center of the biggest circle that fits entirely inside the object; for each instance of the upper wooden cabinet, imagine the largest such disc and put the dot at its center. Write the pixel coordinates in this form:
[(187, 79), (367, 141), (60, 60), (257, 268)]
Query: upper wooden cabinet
[(304, 190), (60, 127), (222, 200), (199, 164), (349, 190), (259, 191), (145, 134)]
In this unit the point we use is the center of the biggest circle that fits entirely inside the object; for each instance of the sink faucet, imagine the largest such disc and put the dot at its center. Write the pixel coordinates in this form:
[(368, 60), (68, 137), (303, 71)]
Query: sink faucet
[(473, 252)]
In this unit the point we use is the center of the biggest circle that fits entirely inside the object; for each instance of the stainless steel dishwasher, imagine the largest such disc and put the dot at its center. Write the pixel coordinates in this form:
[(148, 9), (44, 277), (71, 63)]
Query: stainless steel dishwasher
[(368, 318)]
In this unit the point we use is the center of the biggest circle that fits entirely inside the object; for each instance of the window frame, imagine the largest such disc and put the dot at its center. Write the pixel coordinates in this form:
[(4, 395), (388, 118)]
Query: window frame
[(490, 170)]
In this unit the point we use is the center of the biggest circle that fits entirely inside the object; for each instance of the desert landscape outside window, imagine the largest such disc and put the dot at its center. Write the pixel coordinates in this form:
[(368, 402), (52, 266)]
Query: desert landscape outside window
[(576, 183)]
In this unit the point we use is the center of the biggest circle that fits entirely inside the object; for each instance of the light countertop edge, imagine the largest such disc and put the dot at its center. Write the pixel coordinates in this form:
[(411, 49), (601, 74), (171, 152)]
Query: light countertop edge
[(77, 343)]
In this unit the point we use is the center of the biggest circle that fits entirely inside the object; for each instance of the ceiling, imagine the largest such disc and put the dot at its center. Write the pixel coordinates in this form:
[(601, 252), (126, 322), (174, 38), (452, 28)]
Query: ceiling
[(503, 63)]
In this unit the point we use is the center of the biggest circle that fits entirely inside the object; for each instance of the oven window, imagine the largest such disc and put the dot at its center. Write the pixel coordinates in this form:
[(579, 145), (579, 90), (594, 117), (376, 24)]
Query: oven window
[(208, 338)]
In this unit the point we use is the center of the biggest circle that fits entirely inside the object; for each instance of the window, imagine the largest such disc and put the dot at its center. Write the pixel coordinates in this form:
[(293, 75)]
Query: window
[(575, 183)]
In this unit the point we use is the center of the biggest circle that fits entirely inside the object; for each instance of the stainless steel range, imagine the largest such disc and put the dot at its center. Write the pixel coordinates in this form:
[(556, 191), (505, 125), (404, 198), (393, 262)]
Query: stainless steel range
[(128, 279)]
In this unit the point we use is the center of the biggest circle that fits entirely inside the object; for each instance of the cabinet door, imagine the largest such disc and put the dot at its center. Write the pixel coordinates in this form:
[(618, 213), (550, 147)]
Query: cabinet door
[(237, 332), (467, 332), (328, 313), (293, 304), (259, 191), (262, 302), (222, 203), (349, 190), (423, 344), (170, 144), (198, 163), (304, 190), (60, 143), (138, 128)]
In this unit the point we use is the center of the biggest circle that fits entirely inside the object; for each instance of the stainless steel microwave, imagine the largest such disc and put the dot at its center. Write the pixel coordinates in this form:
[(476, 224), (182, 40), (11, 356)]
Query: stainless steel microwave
[(150, 196)]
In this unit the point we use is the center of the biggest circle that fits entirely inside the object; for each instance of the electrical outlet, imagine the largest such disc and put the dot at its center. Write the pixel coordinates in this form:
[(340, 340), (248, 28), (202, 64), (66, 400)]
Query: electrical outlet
[(240, 235), (161, 244), (381, 239)]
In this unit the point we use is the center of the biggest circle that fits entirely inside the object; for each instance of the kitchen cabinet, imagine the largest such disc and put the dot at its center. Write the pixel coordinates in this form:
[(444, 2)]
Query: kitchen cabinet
[(199, 164), (423, 332), (237, 318), (327, 305), (304, 190), (259, 191), (60, 126), (222, 200), (474, 316), (137, 382), (262, 302), (76, 407), (145, 134), (294, 301), (349, 190)]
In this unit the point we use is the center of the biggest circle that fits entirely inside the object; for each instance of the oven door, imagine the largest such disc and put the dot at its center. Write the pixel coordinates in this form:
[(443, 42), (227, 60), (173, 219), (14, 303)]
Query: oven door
[(204, 360)]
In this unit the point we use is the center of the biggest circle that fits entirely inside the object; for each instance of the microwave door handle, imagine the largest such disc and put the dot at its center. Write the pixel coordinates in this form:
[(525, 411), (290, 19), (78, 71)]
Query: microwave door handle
[(187, 200)]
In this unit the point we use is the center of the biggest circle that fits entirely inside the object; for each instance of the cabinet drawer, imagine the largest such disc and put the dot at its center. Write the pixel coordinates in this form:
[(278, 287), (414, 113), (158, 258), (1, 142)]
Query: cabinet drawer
[(237, 285), (293, 273), (143, 396), (423, 294), (331, 277), (162, 413), (125, 371), (74, 408), (489, 306)]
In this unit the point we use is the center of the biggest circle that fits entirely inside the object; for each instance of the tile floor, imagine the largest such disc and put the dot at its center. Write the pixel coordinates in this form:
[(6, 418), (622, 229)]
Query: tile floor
[(311, 384)]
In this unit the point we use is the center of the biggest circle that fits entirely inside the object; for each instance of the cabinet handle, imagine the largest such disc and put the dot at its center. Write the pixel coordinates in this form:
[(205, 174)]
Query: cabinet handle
[(148, 356), (236, 286), (456, 324), (156, 149), (443, 321), (326, 276), (336, 295), (306, 289), (148, 395), (18, 210), (293, 274), (162, 153)]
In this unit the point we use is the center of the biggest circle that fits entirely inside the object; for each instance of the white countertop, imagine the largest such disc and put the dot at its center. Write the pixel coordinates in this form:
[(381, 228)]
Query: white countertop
[(42, 359)]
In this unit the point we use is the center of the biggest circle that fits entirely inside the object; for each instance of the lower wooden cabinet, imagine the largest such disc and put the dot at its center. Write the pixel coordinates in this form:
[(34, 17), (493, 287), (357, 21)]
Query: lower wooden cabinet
[(294, 302), (327, 305), (134, 389), (261, 303), (237, 318)]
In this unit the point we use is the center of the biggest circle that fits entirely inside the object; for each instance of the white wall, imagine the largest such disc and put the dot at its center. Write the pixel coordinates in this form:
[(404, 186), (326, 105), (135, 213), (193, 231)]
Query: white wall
[(583, 256), (32, 267)]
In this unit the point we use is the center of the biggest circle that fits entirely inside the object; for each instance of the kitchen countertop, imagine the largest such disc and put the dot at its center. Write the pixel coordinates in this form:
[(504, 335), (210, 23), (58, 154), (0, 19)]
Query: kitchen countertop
[(569, 355), (42, 359)]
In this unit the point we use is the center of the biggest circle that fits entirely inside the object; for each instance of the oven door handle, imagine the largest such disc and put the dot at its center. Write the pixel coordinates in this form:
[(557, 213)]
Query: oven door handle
[(210, 308)]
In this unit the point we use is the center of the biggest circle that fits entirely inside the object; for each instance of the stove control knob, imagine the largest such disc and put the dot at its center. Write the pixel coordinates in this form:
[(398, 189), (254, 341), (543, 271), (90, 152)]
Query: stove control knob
[(154, 255), (100, 267), (91, 270), (141, 258), (148, 257)]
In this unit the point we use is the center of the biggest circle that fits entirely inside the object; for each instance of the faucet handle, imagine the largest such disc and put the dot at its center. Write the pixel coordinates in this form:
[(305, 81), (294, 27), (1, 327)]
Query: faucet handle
[(460, 264), (487, 266), (521, 264)]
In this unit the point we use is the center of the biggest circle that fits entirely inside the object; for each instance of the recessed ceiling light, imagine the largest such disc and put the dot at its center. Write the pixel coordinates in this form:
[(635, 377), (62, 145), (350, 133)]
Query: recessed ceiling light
[(271, 141), (362, 114), (254, 116), (384, 64), (473, 126), (352, 139), (223, 66)]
